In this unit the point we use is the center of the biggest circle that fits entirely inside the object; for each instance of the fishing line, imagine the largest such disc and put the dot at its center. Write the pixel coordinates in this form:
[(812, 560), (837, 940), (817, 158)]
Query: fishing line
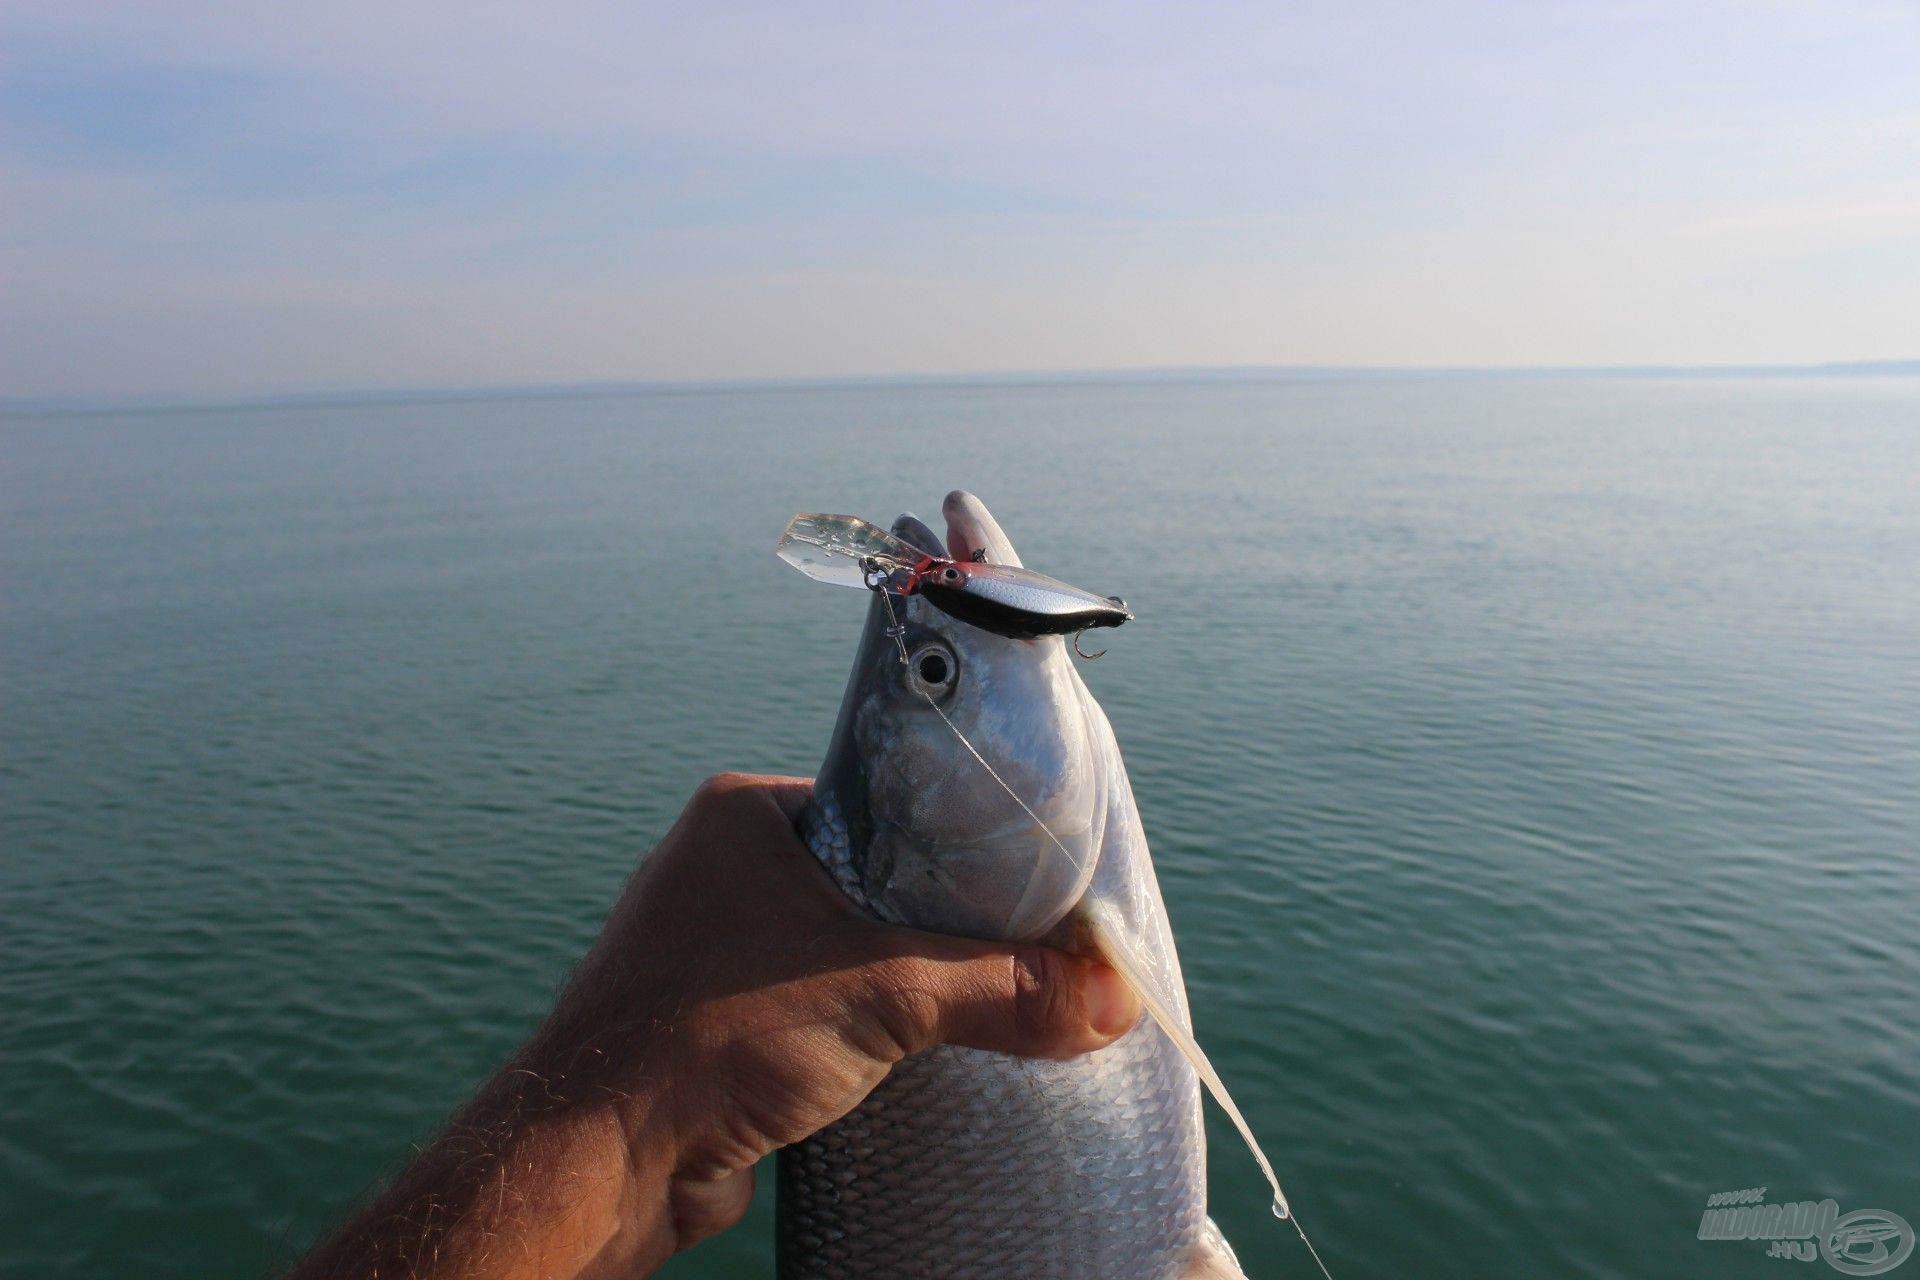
[(898, 631)]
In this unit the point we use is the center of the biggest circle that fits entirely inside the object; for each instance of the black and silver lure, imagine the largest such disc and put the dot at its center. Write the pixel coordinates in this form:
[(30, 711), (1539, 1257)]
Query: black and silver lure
[(1005, 599)]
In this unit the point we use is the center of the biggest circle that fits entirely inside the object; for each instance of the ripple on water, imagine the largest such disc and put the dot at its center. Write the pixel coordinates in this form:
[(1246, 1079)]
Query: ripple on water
[(1530, 768)]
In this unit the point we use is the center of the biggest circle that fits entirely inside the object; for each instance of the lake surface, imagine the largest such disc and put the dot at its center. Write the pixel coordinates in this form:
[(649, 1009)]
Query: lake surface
[(1532, 766)]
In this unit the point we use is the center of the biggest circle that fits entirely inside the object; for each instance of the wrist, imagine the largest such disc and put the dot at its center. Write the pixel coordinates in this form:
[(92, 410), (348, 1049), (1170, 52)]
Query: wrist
[(581, 1172), (523, 1183)]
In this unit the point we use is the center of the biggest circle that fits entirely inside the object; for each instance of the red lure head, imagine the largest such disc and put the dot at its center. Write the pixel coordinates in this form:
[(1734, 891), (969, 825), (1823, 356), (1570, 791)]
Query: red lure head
[(935, 569)]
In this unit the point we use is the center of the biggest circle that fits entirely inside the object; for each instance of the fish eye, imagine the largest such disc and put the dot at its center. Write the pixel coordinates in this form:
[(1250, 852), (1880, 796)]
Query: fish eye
[(950, 574), (931, 670)]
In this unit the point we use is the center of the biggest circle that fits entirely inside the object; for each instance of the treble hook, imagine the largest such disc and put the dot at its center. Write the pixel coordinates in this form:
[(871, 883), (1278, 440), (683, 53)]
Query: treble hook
[(1082, 652)]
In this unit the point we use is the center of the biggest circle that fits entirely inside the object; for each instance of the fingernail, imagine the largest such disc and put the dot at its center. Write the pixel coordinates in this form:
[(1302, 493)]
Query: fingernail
[(1111, 1006)]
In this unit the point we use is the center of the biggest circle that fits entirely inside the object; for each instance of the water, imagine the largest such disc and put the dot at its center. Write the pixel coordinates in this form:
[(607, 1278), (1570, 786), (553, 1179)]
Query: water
[(1533, 768)]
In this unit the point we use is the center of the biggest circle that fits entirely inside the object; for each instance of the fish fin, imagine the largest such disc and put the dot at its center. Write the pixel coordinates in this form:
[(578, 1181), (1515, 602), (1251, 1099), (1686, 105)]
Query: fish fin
[(1110, 941), (1212, 1257)]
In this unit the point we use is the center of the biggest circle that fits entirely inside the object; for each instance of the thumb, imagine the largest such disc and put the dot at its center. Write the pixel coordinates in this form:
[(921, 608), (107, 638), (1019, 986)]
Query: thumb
[(1030, 1000)]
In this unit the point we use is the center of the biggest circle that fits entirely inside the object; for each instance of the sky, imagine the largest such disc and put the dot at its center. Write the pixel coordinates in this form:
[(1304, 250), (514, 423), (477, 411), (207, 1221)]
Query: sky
[(215, 198)]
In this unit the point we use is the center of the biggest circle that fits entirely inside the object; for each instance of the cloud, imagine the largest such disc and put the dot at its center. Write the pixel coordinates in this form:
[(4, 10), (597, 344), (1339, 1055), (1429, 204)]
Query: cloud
[(206, 197)]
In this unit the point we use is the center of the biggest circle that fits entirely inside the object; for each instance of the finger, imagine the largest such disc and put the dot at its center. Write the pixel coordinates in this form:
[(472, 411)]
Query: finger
[(745, 815), (929, 989), (749, 794), (790, 794), (737, 836), (1033, 1001)]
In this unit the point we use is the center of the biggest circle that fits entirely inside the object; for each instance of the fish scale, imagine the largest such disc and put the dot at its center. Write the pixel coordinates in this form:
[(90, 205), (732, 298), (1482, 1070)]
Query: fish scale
[(940, 1171), (965, 1163)]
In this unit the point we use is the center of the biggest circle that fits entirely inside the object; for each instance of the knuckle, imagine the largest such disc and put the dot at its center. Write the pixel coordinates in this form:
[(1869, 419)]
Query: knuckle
[(701, 1207), (720, 790), (724, 805), (1044, 994), (903, 1008)]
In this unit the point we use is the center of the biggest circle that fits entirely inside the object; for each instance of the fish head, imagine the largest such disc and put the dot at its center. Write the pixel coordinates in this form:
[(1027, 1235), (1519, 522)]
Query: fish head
[(969, 775)]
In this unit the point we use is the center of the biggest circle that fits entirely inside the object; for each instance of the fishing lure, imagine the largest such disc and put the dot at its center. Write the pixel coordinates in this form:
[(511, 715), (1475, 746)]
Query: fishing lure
[(1005, 599)]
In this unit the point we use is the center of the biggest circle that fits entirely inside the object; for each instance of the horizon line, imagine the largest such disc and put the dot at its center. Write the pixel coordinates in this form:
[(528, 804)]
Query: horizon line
[(76, 406)]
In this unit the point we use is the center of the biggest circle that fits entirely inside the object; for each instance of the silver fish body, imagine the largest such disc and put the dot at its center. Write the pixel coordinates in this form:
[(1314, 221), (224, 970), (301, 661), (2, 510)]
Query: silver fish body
[(963, 1162)]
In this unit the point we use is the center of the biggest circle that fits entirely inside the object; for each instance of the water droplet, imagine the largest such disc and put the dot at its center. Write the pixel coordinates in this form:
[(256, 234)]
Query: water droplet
[(1280, 1209)]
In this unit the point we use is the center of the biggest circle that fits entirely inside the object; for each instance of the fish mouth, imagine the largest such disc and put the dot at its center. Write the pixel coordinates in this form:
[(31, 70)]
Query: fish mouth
[(973, 533)]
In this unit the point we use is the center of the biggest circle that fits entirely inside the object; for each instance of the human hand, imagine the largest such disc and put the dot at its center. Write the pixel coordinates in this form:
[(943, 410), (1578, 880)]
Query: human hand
[(735, 1002)]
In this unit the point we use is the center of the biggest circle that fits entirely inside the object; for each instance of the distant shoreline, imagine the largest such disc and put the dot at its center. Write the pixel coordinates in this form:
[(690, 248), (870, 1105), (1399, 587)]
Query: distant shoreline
[(80, 406)]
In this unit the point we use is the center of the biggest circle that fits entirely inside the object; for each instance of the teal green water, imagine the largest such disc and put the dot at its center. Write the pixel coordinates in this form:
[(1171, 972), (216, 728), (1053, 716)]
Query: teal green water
[(1533, 769)]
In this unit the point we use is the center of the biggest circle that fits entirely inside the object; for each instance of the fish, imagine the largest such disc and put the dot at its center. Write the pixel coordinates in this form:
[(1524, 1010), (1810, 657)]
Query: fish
[(973, 786)]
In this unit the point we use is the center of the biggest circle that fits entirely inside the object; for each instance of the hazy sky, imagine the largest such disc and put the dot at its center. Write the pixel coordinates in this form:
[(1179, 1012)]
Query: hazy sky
[(206, 197)]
